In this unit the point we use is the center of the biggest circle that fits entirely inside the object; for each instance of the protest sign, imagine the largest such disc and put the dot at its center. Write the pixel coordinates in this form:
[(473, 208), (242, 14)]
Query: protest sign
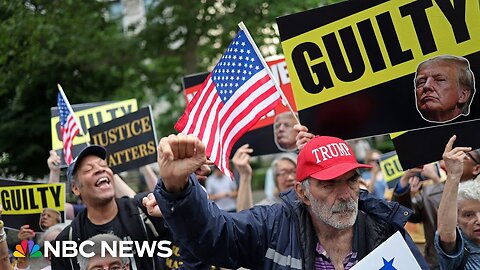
[(23, 202), (130, 140), (265, 137), (391, 168), (419, 147), (352, 64), (391, 254), (89, 115)]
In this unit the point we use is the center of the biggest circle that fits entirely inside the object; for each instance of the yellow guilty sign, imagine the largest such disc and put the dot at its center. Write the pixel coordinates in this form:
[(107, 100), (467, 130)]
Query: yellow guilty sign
[(377, 45), (32, 199), (391, 168)]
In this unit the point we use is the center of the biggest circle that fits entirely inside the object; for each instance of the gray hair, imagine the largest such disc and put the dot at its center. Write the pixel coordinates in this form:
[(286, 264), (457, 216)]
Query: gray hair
[(469, 190), (96, 248), (465, 74), (306, 185), (57, 228), (288, 157)]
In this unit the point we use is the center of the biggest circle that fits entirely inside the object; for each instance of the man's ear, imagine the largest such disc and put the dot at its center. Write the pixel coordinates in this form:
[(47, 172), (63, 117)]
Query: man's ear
[(301, 193), (75, 189), (464, 95), (476, 170)]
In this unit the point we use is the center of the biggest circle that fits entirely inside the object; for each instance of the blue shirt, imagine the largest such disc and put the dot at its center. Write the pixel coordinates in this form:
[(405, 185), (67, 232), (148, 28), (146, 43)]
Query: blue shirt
[(453, 261), (378, 188)]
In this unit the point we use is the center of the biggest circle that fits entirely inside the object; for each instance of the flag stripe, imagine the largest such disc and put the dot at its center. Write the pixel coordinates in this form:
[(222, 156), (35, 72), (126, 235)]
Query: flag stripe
[(213, 123), (188, 119), (243, 124), (246, 97), (244, 92), (240, 95), (205, 112)]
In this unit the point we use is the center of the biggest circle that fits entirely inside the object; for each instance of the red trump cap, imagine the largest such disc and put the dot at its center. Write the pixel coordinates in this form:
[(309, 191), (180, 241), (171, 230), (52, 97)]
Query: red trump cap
[(326, 158)]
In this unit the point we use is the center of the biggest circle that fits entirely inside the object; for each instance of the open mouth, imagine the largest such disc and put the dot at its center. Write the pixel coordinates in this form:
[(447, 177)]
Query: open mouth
[(102, 181)]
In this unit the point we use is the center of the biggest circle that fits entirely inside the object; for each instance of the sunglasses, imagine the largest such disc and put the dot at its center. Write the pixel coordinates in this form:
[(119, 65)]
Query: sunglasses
[(470, 156)]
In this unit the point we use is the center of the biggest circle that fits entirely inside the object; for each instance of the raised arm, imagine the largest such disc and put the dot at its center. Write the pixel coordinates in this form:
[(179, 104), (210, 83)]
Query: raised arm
[(241, 161), (121, 188), (236, 239), (53, 163), (150, 177), (447, 211)]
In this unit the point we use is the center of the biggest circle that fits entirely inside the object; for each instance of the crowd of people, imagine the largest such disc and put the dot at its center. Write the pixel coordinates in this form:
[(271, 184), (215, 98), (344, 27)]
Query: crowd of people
[(328, 210)]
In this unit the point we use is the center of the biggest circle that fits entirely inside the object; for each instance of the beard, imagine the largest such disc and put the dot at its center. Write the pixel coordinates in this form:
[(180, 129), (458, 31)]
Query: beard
[(341, 216)]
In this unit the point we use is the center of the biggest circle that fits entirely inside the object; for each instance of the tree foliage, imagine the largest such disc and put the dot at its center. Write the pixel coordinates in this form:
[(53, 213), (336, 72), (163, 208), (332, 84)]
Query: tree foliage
[(76, 44), (44, 43)]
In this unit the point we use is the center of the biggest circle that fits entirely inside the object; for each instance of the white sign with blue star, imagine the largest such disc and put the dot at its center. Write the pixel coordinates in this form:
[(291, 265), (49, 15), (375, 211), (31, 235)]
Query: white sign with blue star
[(393, 254)]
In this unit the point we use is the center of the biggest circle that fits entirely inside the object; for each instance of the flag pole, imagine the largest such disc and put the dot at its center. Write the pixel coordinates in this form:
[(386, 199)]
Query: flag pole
[(257, 51), (71, 111)]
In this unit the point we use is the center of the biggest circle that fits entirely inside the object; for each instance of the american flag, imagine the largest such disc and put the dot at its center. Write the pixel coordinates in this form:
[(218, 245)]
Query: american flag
[(68, 126), (235, 95)]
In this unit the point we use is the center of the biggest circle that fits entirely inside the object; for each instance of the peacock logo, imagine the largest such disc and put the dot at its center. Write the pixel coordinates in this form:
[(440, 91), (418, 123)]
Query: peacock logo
[(27, 249)]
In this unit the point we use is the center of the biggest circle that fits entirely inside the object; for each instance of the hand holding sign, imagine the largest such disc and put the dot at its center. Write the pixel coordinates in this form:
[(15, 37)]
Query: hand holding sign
[(25, 233), (303, 136), (54, 161), (454, 157)]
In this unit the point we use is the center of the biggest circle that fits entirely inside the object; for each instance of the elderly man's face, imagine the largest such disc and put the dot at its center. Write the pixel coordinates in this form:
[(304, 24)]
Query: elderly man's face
[(284, 132), (469, 219), (48, 218), (438, 91), (99, 263), (335, 202), (95, 180)]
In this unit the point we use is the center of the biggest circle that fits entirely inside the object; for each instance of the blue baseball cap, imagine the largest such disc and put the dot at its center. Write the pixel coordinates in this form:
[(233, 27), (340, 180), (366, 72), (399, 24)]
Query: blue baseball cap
[(95, 150)]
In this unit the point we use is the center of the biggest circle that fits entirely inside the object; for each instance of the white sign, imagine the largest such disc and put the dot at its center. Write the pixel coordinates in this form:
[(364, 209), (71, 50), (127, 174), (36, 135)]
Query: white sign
[(391, 254)]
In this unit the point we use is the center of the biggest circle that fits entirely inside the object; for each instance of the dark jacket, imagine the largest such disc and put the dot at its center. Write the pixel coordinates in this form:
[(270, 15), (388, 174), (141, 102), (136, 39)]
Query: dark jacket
[(424, 206), (280, 236)]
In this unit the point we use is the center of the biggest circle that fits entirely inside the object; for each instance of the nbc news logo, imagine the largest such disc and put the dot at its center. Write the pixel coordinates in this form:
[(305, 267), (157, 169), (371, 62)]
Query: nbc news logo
[(27, 249)]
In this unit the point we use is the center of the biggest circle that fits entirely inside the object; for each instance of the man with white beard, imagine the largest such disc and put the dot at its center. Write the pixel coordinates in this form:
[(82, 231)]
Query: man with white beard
[(325, 222)]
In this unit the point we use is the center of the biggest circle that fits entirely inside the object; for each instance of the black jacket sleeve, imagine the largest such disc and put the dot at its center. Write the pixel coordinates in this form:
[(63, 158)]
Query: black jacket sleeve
[(60, 262)]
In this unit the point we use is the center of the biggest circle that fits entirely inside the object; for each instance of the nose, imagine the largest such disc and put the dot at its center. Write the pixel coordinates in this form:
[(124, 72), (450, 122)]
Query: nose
[(477, 218), (99, 169), (429, 84), (291, 178), (344, 191)]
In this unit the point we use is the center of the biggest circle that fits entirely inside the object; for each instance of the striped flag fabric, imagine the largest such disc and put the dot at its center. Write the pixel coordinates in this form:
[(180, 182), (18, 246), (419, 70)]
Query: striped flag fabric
[(68, 126), (235, 95)]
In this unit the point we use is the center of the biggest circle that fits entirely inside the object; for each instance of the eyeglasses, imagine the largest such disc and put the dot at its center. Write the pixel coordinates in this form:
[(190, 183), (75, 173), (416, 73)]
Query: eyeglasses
[(284, 174), (470, 156), (110, 267)]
